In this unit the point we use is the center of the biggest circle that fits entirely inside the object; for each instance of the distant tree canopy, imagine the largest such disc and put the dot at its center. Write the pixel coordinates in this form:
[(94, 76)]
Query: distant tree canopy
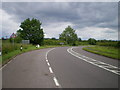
[(53, 38), (92, 41), (69, 36), (79, 39), (31, 30)]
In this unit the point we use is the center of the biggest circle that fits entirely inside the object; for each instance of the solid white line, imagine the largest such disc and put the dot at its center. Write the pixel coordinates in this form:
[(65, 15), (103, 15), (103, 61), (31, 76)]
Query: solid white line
[(93, 59), (51, 71), (93, 62), (56, 81), (3, 66), (7, 64)]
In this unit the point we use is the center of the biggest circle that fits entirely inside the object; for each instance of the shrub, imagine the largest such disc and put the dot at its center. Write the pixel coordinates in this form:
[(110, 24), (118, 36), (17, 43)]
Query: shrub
[(53, 42), (9, 47), (112, 44), (81, 43), (92, 41)]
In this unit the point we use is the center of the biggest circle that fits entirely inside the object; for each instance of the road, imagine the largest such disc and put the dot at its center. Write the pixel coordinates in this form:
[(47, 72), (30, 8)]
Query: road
[(61, 67)]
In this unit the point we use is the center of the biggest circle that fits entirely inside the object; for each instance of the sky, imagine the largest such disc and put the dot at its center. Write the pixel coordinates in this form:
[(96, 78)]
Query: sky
[(97, 20)]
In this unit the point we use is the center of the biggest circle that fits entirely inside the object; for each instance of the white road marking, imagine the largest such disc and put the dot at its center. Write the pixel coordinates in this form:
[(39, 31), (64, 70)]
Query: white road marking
[(47, 61), (6, 64), (48, 64), (93, 59), (51, 71), (10, 61), (56, 81), (94, 62), (48, 52), (14, 58), (3, 66)]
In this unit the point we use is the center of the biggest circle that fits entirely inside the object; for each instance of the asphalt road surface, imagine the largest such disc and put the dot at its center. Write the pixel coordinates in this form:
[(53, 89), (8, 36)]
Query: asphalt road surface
[(61, 67)]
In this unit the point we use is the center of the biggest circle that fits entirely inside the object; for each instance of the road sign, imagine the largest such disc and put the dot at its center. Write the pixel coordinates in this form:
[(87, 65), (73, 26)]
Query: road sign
[(25, 41), (13, 35), (61, 43)]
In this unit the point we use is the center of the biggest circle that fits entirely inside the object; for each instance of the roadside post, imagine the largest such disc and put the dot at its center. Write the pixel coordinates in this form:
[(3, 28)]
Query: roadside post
[(37, 46), (21, 48)]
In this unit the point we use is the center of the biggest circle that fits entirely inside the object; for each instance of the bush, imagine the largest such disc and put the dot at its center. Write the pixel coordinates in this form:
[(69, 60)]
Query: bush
[(16, 40), (81, 43), (118, 44), (92, 41), (9, 47), (112, 44), (53, 42)]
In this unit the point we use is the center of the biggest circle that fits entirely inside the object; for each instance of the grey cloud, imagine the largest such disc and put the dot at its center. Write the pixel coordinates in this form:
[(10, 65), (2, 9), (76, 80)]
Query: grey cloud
[(81, 14)]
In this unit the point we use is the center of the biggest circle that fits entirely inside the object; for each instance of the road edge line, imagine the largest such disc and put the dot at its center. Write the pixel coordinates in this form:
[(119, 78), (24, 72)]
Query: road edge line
[(90, 62)]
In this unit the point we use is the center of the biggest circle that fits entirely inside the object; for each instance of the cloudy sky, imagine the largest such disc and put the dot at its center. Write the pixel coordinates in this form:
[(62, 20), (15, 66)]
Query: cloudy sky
[(97, 20)]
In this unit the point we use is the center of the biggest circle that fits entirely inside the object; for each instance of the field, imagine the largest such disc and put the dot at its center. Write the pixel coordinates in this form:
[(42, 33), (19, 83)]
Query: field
[(108, 51), (109, 43)]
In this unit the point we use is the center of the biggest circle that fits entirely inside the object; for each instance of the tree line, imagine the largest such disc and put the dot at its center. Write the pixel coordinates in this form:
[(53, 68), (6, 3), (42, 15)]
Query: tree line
[(31, 30)]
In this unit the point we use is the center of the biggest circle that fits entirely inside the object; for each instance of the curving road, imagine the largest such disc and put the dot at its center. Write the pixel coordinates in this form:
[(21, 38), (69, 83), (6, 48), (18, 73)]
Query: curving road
[(61, 67)]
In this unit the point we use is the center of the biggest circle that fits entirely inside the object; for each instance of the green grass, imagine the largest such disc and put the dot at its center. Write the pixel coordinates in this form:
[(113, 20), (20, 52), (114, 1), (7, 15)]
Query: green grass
[(111, 52), (9, 55)]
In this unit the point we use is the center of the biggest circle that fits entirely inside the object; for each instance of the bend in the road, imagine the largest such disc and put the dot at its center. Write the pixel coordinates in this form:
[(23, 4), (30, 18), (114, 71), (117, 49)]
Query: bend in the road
[(97, 63)]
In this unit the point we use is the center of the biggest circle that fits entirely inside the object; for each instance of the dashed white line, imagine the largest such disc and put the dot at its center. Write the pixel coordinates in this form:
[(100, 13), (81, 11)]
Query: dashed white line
[(51, 71), (56, 81), (48, 63), (48, 52)]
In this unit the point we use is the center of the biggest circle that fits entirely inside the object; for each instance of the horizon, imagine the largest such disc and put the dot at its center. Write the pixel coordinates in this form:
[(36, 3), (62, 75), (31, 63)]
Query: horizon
[(89, 19)]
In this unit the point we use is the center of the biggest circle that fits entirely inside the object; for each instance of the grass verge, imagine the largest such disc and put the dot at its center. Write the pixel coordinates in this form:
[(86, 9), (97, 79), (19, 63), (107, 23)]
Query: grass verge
[(105, 51), (7, 57)]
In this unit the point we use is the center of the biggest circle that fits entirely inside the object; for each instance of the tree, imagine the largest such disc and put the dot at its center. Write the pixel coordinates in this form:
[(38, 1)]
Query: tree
[(79, 39), (69, 36), (118, 44), (53, 38), (92, 41), (31, 30)]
